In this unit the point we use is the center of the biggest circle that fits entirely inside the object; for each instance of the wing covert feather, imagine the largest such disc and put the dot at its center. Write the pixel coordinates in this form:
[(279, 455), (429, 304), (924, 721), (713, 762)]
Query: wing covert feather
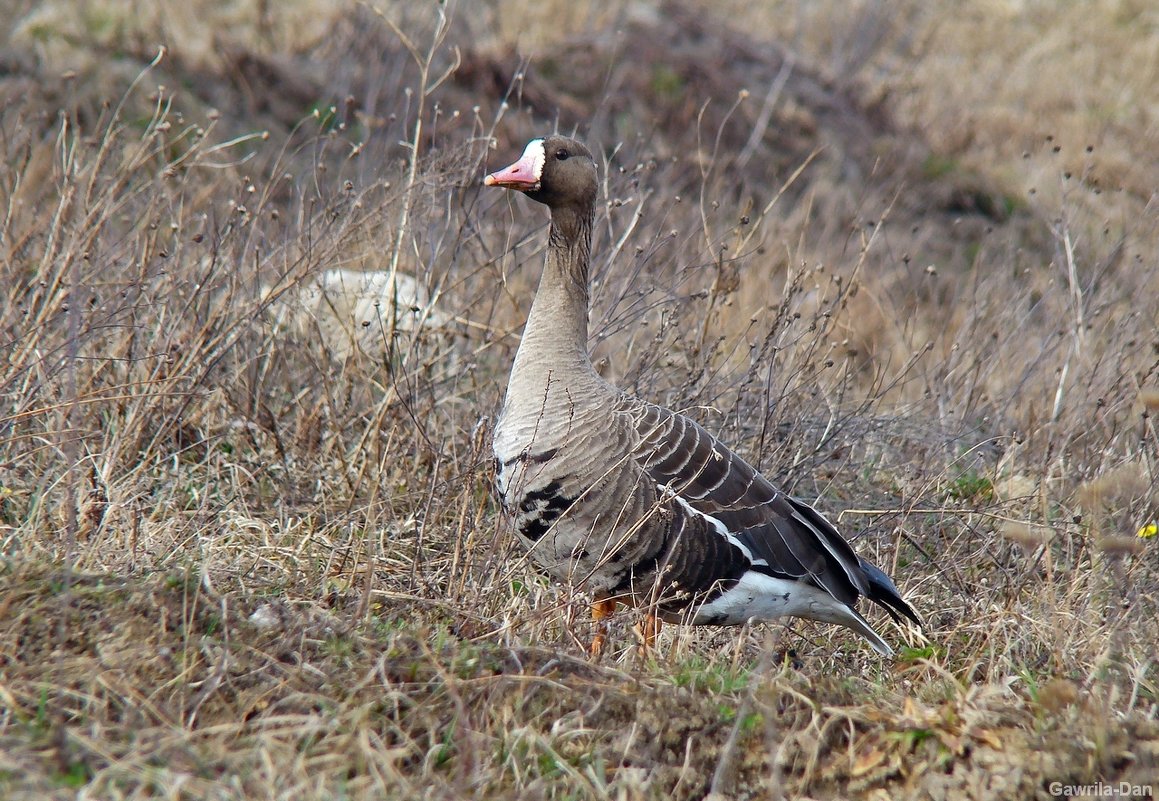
[(790, 537)]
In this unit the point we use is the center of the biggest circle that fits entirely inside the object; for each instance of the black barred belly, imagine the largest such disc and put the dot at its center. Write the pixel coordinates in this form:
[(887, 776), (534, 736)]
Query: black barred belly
[(539, 509)]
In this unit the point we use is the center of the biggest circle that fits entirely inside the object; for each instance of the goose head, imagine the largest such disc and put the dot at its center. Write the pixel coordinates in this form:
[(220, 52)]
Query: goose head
[(555, 170)]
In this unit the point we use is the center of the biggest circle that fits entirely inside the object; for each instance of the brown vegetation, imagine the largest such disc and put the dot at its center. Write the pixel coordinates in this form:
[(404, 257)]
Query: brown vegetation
[(868, 247)]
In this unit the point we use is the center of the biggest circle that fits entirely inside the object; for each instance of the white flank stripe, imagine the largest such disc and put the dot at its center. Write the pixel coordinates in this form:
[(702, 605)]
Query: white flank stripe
[(719, 527)]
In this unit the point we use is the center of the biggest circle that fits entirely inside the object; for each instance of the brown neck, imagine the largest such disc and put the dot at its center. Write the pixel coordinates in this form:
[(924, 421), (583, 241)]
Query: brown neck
[(556, 336)]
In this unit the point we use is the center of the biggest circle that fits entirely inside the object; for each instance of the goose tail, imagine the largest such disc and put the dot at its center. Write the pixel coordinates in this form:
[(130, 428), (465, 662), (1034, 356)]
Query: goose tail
[(883, 592), (854, 621)]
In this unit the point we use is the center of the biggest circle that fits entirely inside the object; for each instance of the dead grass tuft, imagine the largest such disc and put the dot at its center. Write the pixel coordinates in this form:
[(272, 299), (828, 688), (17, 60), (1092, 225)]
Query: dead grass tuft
[(237, 561), (1027, 537), (1119, 546), (1116, 488)]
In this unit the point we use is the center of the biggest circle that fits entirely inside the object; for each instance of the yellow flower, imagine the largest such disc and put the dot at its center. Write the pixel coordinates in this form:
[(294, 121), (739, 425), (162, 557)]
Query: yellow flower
[(1148, 531)]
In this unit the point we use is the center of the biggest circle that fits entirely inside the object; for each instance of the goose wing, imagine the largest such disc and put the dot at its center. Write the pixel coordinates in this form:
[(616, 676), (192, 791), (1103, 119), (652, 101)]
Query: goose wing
[(786, 537)]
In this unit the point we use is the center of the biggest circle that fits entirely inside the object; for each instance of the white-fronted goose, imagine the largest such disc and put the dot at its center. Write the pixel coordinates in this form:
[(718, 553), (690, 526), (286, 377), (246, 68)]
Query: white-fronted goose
[(635, 503)]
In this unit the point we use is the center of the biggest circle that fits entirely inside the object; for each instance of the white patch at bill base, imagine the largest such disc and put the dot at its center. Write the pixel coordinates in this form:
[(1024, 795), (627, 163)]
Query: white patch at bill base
[(535, 156)]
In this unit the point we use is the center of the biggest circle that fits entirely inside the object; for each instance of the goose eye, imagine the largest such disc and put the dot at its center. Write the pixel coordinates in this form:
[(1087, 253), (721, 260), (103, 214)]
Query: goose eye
[(562, 154)]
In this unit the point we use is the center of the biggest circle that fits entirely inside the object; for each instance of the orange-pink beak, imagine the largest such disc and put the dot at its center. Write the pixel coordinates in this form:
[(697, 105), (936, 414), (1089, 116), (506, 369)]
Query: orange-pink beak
[(523, 175)]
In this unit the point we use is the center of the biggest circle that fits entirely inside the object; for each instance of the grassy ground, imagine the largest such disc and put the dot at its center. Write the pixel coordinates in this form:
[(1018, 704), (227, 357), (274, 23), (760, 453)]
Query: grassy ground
[(872, 244)]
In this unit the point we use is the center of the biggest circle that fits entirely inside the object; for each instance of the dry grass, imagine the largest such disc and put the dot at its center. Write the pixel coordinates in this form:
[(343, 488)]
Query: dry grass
[(234, 566)]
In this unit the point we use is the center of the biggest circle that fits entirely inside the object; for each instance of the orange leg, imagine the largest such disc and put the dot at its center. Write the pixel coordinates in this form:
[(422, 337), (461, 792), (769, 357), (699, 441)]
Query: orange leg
[(649, 630), (602, 609)]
